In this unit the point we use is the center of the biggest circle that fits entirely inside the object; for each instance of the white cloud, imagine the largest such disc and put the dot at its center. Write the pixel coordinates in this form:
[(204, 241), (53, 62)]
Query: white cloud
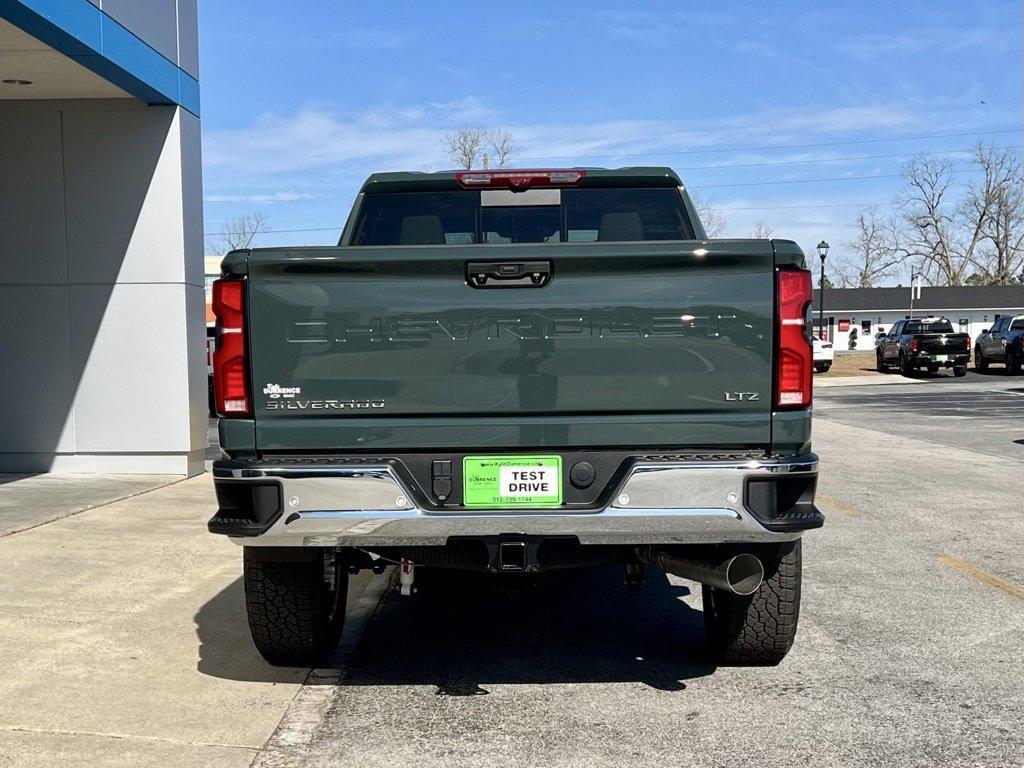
[(409, 136), (323, 155), (384, 137), (917, 41)]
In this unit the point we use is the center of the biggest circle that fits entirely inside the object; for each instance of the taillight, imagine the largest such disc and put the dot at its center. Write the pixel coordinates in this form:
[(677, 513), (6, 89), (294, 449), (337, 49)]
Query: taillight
[(230, 382), (795, 358), (521, 179), (967, 343), (913, 345)]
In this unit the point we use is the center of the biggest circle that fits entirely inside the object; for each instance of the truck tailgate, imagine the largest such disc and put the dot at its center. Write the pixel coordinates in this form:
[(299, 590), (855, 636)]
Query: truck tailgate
[(943, 343), (651, 343)]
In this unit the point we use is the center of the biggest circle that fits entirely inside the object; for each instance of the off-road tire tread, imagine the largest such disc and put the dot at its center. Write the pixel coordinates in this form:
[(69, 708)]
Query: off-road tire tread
[(759, 629), (286, 618)]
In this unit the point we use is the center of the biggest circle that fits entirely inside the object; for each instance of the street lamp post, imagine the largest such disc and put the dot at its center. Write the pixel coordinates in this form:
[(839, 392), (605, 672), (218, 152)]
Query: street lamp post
[(822, 253)]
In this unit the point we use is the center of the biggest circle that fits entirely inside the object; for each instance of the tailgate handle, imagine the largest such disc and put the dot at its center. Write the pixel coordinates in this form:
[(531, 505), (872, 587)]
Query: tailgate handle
[(508, 274)]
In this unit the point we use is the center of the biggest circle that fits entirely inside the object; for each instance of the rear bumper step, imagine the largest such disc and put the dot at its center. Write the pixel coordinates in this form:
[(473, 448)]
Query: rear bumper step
[(664, 502)]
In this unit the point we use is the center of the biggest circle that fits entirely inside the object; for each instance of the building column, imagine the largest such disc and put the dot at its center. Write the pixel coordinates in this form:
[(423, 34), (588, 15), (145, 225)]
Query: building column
[(101, 288)]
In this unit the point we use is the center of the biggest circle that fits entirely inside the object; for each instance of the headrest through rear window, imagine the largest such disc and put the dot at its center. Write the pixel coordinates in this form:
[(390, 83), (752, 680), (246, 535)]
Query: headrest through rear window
[(620, 226), (421, 230)]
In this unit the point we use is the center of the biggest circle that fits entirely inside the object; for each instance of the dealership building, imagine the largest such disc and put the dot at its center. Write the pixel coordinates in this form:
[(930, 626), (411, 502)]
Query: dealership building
[(101, 245), (854, 315)]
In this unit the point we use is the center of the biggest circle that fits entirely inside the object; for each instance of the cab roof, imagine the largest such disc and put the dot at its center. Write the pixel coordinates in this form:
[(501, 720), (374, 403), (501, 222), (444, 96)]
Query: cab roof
[(414, 181)]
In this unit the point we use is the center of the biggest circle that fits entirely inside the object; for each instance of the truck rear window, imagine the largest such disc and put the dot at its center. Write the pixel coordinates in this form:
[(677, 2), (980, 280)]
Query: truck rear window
[(573, 215), (936, 326)]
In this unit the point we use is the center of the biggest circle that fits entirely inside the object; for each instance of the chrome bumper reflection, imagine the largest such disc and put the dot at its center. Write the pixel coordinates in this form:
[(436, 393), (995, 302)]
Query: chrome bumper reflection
[(658, 503)]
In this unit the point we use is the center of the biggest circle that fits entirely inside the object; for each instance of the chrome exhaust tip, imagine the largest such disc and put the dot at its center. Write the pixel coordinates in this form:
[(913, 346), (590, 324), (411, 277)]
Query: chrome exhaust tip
[(740, 574), (744, 574)]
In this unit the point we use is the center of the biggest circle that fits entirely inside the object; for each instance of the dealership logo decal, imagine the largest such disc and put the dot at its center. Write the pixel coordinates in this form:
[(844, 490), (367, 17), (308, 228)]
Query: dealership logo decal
[(276, 391), (284, 399)]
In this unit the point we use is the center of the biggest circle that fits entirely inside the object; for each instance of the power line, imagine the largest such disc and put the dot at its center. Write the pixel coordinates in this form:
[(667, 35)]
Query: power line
[(265, 231), (708, 151), (701, 187), (798, 207), (774, 163), (711, 186), (814, 181), (778, 146), (848, 158)]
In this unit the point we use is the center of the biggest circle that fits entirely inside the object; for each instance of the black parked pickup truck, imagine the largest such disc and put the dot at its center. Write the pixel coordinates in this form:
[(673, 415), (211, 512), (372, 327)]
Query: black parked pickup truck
[(1003, 343), (927, 342), (516, 371)]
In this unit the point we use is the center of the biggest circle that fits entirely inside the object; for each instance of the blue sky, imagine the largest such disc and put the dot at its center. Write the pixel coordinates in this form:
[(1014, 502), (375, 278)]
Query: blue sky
[(792, 114)]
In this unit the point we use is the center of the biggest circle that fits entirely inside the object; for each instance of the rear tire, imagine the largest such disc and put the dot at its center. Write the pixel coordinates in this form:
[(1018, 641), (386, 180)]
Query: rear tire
[(1012, 364), (980, 363), (757, 629), (296, 608), (880, 366), (822, 367), (959, 370), (905, 367)]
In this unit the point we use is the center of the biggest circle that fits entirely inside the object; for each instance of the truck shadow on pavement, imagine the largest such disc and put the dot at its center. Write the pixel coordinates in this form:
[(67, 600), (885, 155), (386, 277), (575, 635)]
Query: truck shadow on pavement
[(464, 631), (225, 647)]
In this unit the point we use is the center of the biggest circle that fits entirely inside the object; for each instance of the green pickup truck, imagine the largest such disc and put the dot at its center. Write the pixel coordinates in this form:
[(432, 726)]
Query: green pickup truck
[(515, 371)]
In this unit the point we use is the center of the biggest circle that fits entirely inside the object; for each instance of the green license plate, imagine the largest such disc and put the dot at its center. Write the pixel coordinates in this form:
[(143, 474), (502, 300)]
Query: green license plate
[(512, 481), (941, 358)]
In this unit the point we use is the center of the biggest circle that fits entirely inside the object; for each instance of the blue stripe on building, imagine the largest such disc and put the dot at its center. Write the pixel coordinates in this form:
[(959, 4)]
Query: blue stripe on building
[(83, 32)]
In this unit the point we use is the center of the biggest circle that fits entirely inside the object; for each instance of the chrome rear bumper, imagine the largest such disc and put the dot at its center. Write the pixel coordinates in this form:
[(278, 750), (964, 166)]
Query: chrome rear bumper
[(657, 503)]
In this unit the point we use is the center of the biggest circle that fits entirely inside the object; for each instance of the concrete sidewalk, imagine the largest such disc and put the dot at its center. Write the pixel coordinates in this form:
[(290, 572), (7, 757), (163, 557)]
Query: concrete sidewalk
[(868, 379), (123, 641), (30, 500)]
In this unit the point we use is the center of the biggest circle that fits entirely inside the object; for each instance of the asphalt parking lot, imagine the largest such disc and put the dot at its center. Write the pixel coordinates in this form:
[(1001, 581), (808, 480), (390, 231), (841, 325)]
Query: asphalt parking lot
[(124, 642), (981, 412), (908, 652)]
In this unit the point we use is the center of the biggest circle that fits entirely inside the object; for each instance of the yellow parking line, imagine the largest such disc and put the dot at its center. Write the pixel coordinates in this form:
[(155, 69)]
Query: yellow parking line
[(838, 506), (981, 576)]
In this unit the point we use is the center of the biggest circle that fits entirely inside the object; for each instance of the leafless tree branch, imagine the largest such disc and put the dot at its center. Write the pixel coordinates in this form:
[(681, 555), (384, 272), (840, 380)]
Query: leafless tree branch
[(501, 145), (464, 146), (710, 216), (237, 233), (873, 254), (936, 232), (996, 203)]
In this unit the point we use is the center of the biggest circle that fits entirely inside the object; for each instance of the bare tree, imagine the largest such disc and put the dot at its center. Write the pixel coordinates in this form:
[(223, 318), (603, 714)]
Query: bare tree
[(710, 216), (943, 236), (874, 253), (237, 233), (501, 145), (997, 201), (467, 147), (464, 146), (762, 231)]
